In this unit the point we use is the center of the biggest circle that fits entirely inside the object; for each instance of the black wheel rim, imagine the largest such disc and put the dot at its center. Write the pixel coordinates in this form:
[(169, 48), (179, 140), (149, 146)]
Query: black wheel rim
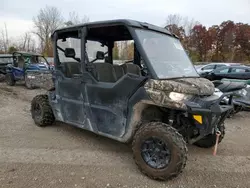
[(37, 111), (155, 153)]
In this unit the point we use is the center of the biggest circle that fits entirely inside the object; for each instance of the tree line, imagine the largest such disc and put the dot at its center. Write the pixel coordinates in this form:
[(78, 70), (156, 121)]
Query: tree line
[(227, 42), (38, 39)]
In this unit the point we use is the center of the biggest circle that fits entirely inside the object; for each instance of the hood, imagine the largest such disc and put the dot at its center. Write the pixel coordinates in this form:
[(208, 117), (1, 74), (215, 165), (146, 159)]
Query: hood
[(193, 86)]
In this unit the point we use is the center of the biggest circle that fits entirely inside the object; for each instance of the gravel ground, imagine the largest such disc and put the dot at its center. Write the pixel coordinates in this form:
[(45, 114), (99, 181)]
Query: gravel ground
[(63, 156)]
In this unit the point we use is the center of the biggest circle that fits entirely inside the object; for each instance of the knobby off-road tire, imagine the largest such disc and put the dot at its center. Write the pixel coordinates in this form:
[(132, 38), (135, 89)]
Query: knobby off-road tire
[(41, 111), (174, 142), (210, 140), (10, 79), (2, 77)]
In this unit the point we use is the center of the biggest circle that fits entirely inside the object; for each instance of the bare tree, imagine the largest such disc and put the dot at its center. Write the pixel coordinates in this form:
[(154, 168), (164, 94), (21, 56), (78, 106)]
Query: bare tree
[(174, 19), (26, 42), (4, 39), (188, 25), (47, 20), (75, 19)]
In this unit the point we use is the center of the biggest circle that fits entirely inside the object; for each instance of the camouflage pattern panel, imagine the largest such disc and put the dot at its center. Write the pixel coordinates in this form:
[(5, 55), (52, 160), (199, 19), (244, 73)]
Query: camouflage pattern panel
[(40, 79), (159, 90), (161, 98), (193, 86)]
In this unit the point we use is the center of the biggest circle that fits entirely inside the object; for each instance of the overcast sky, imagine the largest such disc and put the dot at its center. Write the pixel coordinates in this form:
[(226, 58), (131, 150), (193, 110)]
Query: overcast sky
[(17, 14)]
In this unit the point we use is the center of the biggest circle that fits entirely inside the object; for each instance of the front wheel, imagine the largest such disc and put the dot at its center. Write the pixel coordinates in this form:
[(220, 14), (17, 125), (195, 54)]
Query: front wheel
[(41, 111), (10, 79), (27, 83), (160, 152), (210, 140)]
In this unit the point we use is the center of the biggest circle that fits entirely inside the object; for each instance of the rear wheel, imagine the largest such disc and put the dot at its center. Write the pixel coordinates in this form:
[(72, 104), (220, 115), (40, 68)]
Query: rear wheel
[(159, 151), (10, 79), (41, 111), (210, 140)]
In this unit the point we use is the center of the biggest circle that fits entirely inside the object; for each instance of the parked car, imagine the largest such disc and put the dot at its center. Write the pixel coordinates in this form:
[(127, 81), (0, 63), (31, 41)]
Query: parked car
[(212, 66), (231, 72)]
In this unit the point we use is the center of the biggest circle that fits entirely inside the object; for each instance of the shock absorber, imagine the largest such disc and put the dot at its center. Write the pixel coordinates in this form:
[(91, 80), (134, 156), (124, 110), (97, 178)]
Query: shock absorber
[(172, 117)]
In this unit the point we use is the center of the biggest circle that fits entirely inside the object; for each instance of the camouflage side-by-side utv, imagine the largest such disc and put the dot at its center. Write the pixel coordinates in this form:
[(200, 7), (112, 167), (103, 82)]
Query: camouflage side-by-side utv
[(156, 100)]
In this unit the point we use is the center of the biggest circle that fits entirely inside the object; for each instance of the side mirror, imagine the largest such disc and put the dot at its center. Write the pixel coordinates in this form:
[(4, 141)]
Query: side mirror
[(99, 55), (70, 52)]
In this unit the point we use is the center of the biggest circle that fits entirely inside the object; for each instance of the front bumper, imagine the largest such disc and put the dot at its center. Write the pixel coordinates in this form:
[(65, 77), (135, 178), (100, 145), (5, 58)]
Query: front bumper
[(212, 114)]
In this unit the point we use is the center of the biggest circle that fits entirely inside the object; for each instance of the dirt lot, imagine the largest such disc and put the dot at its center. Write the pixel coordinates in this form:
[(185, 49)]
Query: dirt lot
[(63, 156)]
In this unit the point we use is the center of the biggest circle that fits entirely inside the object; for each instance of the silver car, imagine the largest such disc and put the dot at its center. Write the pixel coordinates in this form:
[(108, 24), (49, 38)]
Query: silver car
[(201, 69)]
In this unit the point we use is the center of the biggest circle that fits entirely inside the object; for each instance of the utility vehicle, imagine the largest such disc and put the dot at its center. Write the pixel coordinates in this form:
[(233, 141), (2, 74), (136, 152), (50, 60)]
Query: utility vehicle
[(25, 63), (5, 59), (241, 93), (156, 101)]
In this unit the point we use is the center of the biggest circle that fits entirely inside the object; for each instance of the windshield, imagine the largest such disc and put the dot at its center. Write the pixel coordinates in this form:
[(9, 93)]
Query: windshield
[(166, 55), (37, 60)]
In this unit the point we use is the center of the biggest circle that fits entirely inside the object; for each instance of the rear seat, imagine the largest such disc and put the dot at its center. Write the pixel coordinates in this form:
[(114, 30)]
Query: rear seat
[(72, 68), (119, 71), (105, 72), (131, 68)]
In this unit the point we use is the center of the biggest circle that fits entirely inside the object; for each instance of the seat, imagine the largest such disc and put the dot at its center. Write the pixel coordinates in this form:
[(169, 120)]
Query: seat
[(72, 68), (104, 72), (119, 72), (227, 86), (131, 68)]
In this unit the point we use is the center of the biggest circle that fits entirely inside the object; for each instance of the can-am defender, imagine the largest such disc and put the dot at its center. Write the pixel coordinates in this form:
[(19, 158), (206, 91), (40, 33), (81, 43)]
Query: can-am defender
[(156, 100)]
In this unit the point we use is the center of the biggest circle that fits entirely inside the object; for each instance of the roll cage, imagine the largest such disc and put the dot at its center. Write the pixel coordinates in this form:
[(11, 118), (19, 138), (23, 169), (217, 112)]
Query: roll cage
[(107, 32)]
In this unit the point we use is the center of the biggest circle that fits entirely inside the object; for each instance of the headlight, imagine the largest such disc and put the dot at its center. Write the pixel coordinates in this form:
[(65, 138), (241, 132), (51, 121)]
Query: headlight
[(179, 96), (242, 92), (31, 77)]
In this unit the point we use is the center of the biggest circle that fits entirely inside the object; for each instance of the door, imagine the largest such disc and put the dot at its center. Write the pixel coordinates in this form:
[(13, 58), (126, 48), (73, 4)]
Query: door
[(69, 81), (109, 103), (238, 73), (70, 98), (221, 73), (109, 90)]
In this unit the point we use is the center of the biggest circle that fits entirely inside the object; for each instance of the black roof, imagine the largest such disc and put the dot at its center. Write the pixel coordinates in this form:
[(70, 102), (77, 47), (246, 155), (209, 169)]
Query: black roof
[(127, 22)]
